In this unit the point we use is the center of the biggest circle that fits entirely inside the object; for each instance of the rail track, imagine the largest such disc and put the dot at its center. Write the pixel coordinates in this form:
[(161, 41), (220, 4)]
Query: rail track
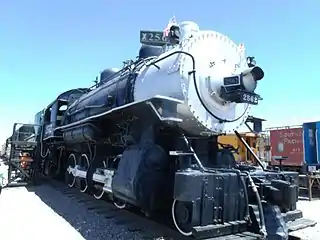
[(131, 221)]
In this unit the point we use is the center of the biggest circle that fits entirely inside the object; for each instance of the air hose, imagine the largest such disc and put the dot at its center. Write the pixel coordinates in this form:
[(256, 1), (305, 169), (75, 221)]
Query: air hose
[(263, 229)]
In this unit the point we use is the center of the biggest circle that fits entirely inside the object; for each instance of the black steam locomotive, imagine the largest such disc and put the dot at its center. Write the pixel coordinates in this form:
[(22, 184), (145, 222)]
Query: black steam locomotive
[(146, 135)]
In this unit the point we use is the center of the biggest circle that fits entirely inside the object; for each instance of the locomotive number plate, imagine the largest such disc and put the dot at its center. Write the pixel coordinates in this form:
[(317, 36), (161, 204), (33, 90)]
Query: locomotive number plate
[(155, 38), (249, 98)]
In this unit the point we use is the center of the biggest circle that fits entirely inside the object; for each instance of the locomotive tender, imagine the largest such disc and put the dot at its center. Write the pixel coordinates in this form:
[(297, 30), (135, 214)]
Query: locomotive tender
[(146, 136)]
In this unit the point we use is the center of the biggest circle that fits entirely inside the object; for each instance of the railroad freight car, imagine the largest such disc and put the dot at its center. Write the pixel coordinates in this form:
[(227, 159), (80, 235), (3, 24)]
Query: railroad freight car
[(296, 147), (286, 146), (311, 145)]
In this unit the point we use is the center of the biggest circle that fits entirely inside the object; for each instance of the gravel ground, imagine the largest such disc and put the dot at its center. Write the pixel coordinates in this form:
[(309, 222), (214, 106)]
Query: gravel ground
[(26, 208), (22, 210), (37, 210)]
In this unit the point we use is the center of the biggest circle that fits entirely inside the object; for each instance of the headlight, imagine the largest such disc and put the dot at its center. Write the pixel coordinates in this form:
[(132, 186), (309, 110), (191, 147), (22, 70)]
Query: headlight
[(240, 88)]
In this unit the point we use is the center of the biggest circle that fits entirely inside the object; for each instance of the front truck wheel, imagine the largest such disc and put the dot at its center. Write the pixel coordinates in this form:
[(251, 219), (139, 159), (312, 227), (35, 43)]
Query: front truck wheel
[(181, 217)]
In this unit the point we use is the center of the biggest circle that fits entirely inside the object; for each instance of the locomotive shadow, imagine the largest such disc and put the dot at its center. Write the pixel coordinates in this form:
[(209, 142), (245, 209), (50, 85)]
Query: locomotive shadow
[(54, 199)]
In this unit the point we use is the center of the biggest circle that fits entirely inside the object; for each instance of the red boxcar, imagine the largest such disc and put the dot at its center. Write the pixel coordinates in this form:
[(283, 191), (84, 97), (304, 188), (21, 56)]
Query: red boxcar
[(287, 142)]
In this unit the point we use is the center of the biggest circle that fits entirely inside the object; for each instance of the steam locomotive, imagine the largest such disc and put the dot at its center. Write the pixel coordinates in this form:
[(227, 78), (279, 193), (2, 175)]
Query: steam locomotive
[(146, 136)]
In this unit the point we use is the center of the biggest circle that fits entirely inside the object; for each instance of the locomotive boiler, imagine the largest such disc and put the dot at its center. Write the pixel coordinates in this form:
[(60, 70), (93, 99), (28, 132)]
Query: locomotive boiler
[(146, 136)]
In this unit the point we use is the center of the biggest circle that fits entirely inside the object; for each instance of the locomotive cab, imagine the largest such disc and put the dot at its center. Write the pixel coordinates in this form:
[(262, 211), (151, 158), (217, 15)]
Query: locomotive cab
[(49, 114), (56, 112), (53, 118), (59, 108)]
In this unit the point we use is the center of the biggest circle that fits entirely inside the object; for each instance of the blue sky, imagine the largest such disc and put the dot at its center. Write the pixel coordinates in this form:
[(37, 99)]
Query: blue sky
[(47, 47)]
